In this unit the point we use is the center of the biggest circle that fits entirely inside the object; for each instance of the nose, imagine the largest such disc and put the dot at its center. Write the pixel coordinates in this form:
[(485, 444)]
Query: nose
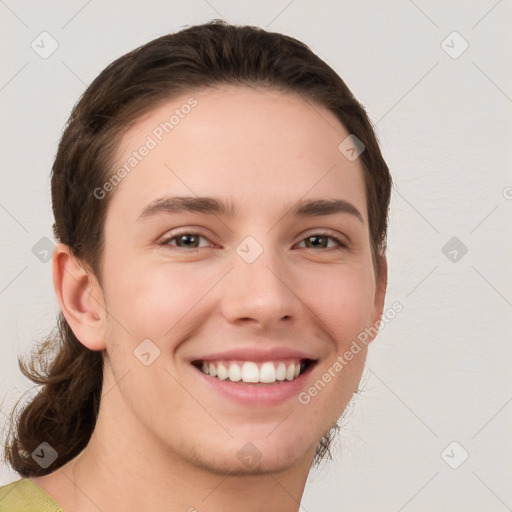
[(264, 293)]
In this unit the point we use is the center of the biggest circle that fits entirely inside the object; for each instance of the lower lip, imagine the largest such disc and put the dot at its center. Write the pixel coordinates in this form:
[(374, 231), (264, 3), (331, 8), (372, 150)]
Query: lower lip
[(257, 394)]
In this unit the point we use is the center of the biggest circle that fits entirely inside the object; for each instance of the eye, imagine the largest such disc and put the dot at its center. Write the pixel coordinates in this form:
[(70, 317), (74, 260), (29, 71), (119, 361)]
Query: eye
[(191, 240), (321, 239), (185, 240)]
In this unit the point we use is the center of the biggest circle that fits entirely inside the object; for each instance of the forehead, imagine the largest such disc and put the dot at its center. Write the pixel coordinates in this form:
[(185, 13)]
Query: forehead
[(255, 146)]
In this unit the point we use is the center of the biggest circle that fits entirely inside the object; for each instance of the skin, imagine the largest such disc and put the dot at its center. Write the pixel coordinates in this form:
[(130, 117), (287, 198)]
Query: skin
[(163, 441)]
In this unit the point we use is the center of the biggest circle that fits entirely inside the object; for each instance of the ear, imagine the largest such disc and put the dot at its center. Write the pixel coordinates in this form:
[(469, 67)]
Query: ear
[(380, 295), (80, 297)]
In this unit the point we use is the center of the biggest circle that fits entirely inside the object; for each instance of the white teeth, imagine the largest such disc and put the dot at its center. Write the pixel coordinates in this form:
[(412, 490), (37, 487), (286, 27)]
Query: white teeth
[(268, 373), (235, 373), (250, 372), (222, 372)]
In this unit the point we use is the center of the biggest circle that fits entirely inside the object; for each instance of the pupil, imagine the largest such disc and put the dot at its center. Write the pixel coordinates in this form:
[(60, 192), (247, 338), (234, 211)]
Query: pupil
[(321, 238), (187, 238)]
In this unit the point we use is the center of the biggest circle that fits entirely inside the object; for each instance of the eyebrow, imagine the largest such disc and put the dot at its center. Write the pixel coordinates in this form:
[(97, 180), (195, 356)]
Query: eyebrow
[(212, 206)]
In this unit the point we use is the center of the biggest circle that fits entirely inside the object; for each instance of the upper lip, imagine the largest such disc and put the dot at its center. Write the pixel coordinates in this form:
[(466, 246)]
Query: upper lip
[(256, 354)]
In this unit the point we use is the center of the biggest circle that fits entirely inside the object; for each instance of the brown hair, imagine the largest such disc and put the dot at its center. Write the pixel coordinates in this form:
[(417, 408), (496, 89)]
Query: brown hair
[(64, 411)]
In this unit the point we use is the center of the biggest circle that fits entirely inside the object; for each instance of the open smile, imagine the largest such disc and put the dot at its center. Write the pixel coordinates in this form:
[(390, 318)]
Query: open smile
[(261, 372), (255, 383)]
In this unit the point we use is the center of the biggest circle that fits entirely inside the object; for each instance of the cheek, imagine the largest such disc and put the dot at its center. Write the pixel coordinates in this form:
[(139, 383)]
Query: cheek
[(343, 299), (151, 301), (346, 310)]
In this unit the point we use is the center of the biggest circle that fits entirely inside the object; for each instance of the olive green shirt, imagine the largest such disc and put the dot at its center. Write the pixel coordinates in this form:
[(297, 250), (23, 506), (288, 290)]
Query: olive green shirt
[(25, 496)]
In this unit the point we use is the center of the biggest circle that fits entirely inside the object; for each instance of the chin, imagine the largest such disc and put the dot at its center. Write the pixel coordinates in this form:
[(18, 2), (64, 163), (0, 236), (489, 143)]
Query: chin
[(249, 459)]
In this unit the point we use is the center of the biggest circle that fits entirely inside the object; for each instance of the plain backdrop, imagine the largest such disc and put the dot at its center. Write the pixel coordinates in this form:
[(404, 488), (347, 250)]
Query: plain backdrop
[(431, 430)]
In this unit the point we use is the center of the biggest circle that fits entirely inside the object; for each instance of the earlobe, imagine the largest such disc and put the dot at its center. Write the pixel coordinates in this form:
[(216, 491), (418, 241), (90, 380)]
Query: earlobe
[(80, 298)]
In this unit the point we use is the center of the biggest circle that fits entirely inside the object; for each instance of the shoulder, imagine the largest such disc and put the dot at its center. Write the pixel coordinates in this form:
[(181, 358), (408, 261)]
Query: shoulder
[(25, 496)]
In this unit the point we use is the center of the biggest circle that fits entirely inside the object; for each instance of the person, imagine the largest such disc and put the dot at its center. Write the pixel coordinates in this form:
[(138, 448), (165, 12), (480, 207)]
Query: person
[(221, 207)]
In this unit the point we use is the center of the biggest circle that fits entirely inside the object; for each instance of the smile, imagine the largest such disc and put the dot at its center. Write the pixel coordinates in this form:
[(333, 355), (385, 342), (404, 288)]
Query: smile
[(263, 372)]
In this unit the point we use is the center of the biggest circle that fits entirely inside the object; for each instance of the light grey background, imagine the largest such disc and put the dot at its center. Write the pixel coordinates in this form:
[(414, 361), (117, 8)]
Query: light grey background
[(440, 371)]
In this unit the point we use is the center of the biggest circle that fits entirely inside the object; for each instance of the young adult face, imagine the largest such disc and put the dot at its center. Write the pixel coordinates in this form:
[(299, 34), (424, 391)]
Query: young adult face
[(248, 287)]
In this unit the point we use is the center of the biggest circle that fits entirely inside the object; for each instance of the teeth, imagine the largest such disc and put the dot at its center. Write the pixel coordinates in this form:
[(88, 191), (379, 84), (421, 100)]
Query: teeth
[(222, 372), (251, 372), (281, 371), (290, 372), (268, 373), (235, 373)]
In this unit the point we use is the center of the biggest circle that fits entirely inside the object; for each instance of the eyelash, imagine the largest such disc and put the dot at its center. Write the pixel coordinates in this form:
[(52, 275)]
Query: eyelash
[(327, 234)]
